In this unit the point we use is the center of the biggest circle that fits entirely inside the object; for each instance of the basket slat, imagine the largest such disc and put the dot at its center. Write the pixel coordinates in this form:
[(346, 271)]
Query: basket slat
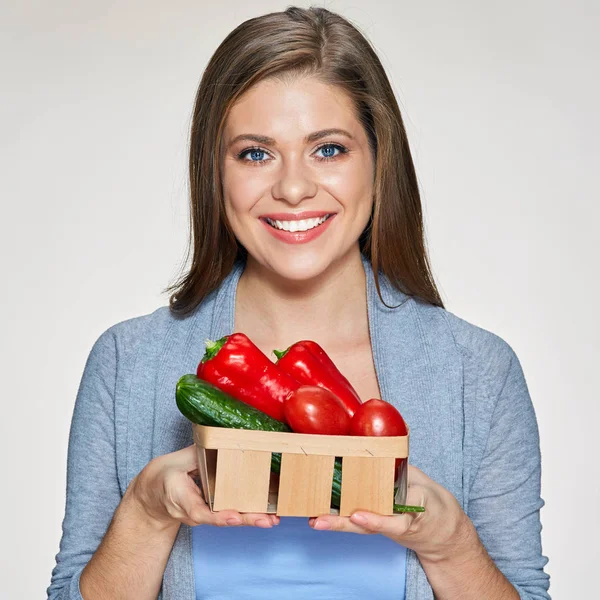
[(367, 484), (242, 480), (301, 443), (304, 485)]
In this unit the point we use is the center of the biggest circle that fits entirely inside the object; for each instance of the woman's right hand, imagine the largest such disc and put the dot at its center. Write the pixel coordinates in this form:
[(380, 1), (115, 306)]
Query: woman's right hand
[(167, 493)]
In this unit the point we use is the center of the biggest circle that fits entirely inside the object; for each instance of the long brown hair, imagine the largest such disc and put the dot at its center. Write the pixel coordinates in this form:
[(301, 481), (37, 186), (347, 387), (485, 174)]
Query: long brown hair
[(324, 45)]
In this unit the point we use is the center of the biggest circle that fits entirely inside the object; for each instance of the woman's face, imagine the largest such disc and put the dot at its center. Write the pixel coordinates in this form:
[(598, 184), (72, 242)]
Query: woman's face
[(279, 162)]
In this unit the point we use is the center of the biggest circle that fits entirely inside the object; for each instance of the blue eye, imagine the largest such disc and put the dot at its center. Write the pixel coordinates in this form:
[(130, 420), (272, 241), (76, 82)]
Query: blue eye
[(257, 154), (329, 149)]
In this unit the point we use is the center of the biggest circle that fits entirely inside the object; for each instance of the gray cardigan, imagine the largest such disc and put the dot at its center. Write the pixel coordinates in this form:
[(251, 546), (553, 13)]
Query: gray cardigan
[(460, 388)]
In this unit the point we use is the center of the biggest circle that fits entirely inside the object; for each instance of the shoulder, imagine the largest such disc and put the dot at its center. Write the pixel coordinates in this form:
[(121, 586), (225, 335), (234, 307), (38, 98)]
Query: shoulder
[(482, 351), (128, 333), (147, 333), (494, 388)]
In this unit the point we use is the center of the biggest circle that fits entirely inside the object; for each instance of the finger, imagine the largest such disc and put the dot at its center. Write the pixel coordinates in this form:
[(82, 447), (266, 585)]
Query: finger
[(185, 503), (190, 511), (393, 526), (232, 518), (335, 523), (263, 520), (185, 459), (416, 495), (202, 515)]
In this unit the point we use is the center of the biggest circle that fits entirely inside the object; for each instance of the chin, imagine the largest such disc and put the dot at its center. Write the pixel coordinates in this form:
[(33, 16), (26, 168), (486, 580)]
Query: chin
[(303, 267)]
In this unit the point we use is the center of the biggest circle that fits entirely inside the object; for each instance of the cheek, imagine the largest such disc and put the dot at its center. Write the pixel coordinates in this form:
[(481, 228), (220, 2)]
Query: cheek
[(353, 188), (242, 190)]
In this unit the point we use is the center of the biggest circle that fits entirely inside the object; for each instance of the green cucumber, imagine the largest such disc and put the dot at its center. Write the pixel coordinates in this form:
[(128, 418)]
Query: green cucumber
[(205, 404)]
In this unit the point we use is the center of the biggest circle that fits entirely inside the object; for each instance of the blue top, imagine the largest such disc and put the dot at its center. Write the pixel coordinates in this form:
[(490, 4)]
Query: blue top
[(293, 561), (460, 388)]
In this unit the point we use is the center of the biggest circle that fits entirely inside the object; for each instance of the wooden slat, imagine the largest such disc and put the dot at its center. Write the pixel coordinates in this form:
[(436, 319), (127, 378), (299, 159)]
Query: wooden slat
[(300, 443), (203, 471), (367, 484), (242, 480), (305, 485), (207, 468)]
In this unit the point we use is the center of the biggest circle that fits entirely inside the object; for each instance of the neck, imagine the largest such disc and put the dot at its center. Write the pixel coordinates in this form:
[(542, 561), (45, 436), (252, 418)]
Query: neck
[(330, 308)]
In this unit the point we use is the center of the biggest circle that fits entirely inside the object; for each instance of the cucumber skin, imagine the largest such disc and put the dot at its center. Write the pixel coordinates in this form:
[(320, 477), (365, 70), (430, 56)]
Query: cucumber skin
[(205, 404)]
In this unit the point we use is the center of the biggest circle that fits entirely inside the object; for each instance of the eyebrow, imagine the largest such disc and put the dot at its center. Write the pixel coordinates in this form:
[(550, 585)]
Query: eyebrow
[(311, 137)]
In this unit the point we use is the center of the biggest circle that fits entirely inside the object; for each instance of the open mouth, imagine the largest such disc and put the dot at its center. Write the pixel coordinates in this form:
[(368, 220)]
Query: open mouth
[(302, 225)]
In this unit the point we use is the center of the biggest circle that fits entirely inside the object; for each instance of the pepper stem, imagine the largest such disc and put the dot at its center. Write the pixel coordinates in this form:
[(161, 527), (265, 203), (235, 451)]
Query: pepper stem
[(212, 348), (280, 353)]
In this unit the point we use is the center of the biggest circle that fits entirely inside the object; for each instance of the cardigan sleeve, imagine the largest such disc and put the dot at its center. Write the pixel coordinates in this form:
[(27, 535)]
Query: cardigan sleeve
[(504, 500), (93, 491)]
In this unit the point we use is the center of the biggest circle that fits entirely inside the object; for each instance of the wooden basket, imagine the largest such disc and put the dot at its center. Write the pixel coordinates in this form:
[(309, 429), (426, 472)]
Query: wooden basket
[(235, 471)]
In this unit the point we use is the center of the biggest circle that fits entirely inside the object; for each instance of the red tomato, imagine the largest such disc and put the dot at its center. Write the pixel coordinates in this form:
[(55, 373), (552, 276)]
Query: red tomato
[(313, 409), (380, 418), (377, 417)]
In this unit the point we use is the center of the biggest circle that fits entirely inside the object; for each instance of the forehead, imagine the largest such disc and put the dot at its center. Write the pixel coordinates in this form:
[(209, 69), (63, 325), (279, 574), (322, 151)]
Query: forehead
[(291, 109)]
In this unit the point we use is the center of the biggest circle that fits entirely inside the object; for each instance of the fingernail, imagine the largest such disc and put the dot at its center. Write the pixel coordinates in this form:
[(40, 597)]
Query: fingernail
[(264, 523), (359, 519), (321, 524), (233, 521)]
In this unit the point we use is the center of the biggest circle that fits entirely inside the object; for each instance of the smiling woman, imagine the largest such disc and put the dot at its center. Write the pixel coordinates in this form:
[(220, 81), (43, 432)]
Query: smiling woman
[(302, 95), (306, 225), (300, 120)]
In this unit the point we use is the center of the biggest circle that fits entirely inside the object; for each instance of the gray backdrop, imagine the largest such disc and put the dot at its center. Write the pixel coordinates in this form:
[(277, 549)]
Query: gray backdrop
[(500, 101)]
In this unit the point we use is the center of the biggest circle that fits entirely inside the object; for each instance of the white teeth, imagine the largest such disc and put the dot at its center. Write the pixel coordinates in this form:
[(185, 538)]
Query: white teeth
[(303, 225)]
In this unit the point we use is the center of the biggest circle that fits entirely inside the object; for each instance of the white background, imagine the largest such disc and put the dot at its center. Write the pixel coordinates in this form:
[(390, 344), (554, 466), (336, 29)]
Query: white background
[(501, 105)]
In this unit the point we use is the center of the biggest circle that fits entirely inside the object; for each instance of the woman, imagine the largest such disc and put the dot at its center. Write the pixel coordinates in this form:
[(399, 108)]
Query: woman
[(306, 224)]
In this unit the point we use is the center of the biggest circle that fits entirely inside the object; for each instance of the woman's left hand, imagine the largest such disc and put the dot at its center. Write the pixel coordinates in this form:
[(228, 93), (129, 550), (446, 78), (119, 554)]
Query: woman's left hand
[(436, 534)]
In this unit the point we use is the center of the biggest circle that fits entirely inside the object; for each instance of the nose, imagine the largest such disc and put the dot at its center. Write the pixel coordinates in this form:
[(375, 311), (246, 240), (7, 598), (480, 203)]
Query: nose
[(294, 183)]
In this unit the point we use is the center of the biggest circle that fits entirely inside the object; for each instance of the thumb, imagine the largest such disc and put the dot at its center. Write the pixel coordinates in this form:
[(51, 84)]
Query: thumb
[(185, 459), (395, 525)]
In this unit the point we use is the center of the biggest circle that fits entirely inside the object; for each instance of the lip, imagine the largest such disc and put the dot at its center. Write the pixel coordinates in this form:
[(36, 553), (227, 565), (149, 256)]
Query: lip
[(299, 237), (307, 214)]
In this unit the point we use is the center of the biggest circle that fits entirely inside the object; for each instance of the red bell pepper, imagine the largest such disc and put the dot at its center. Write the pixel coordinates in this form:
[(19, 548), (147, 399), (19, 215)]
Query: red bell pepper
[(309, 364), (237, 366)]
